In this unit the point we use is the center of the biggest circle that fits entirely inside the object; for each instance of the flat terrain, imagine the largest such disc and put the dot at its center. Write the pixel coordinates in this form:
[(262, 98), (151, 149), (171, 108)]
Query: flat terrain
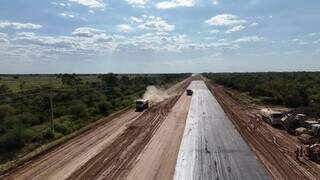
[(36, 81), (211, 147), (205, 136)]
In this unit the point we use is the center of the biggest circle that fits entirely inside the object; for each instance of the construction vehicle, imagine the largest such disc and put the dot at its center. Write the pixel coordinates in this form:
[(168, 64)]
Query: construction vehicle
[(313, 152), (315, 128), (189, 92), (142, 104), (291, 121), (272, 117)]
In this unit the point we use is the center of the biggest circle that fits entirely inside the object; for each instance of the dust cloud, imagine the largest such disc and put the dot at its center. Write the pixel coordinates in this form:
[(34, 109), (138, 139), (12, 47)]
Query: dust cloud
[(155, 94)]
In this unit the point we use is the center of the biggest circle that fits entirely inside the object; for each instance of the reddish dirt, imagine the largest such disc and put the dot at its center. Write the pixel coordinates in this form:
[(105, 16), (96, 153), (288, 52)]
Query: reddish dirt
[(159, 157), (60, 162), (275, 148), (115, 160)]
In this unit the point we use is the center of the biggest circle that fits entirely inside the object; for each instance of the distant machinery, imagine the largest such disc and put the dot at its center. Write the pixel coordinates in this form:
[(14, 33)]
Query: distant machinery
[(189, 92), (271, 116)]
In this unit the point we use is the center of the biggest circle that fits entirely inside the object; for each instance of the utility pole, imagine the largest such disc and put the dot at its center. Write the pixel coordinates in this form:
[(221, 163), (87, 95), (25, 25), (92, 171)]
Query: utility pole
[(51, 111)]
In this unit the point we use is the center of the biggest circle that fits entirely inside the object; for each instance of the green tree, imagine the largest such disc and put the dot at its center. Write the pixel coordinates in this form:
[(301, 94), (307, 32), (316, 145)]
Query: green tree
[(78, 110), (4, 89), (70, 79)]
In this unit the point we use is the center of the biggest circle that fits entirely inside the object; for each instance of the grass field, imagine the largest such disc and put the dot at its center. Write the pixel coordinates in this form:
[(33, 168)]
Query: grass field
[(27, 82)]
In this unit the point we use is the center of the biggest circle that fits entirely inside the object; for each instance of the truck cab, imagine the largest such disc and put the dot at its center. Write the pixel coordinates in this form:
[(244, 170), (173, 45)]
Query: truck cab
[(142, 104), (189, 92)]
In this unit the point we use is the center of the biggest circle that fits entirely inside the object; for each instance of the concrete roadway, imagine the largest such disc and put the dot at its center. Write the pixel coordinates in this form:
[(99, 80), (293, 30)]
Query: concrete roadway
[(211, 147)]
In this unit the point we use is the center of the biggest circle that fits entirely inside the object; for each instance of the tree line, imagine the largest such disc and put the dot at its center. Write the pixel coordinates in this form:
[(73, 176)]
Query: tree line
[(291, 89)]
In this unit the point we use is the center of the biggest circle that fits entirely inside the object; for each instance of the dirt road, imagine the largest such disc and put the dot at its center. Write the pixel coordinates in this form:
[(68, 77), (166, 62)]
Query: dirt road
[(274, 148), (109, 150), (62, 161), (159, 157)]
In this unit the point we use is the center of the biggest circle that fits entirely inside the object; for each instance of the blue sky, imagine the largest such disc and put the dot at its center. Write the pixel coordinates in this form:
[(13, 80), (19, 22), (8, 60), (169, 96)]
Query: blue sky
[(152, 36)]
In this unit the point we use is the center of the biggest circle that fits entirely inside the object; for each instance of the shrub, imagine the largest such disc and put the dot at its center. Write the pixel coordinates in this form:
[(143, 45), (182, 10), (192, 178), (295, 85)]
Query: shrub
[(5, 110), (78, 110), (104, 108), (14, 138)]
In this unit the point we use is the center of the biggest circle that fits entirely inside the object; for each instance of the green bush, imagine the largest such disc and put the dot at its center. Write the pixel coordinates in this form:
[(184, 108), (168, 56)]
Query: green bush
[(104, 108), (49, 134), (5, 110), (14, 138), (78, 110)]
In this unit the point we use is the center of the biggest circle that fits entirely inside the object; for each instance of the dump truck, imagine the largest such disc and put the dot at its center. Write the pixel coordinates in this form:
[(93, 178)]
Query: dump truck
[(189, 92), (291, 121), (272, 117), (142, 104), (315, 128)]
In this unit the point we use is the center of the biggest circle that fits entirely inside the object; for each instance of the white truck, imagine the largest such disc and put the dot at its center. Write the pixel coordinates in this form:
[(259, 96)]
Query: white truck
[(142, 104)]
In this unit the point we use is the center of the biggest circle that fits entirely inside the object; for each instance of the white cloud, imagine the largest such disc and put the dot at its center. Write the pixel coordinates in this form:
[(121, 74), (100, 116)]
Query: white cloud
[(25, 34), (152, 23), (93, 4), (66, 15), (53, 46), (86, 32), (254, 24), (215, 2), (299, 41), (125, 28), (155, 41), (137, 3), (249, 39), (3, 35), (316, 41), (33, 39), (225, 20), (61, 4), (18, 26), (136, 20), (175, 3), (312, 34), (235, 29), (65, 4), (4, 40), (215, 31)]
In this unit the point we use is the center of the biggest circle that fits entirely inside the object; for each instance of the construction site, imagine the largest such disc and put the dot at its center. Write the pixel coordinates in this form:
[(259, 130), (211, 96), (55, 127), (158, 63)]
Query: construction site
[(196, 131)]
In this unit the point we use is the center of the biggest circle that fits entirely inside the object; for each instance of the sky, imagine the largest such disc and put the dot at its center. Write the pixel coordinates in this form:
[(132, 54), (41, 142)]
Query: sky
[(159, 36)]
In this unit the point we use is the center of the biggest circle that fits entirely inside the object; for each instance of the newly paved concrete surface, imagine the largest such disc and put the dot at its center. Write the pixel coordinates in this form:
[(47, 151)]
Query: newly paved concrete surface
[(211, 147)]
